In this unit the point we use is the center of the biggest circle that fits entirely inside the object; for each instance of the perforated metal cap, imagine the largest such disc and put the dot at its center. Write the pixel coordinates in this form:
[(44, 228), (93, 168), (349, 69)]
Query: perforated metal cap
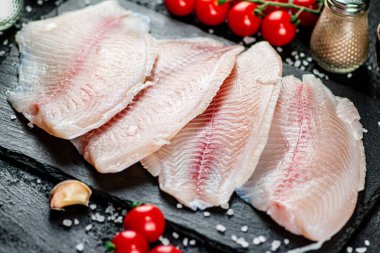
[(348, 7)]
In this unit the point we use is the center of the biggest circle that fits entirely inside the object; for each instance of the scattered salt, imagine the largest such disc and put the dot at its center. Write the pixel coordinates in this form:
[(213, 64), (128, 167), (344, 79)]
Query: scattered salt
[(185, 241), (2, 53), (262, 238), (349, 249), (28, 8), (67, 223), (230, 212), (164, 241), (378, 123), (286, 241), (366, 243), (244, 229), (294, 53), (192, 242), (118, 219), (221, 228), (100, 218), (38, 181), (13, 117), (361, 250), (123, 212), (302, 55), (279, 49), (309, 59), (365, 130), (297, 63), (242, 242), (76, 222), (80, 247), (275, 245), (30, 125), (249, 40), (93, 206), (302, 68), (88, 227), (110, 209), (211, 31), (234, 238), (179, 205), (206, 214), (175, 235), (225, 206), (256, 241), (40, 2), (349, 75), (369, 67)]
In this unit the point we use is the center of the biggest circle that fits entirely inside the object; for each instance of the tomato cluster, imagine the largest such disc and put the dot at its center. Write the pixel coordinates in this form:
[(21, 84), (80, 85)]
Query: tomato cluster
[(244, 18), (142, 225)]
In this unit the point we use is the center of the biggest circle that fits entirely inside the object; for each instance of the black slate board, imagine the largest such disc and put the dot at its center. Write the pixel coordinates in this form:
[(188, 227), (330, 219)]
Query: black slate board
[(58, 158)]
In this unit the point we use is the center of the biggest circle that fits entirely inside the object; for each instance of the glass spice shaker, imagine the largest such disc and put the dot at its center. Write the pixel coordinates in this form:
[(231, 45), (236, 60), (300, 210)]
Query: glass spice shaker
[(339, 42), (9, 12)]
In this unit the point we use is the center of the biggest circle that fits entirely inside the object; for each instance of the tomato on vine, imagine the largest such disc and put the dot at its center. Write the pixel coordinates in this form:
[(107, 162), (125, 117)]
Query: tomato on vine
[(278, 29), (128, 241), (165, 249), (242, 19), (306, 18), (146, 219), (210, 12), (180, 7)]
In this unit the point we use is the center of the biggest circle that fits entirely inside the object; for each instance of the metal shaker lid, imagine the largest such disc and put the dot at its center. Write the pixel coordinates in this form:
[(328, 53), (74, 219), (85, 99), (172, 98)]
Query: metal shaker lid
[(348, 7)]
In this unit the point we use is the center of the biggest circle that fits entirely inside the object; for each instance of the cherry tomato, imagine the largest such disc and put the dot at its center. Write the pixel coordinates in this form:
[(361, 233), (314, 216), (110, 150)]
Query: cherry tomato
[(277, 28), (307, 18), (146, 219), (209, 12), (165, 249), (180, 7), (242, 20), (270, 8), (130, 241)]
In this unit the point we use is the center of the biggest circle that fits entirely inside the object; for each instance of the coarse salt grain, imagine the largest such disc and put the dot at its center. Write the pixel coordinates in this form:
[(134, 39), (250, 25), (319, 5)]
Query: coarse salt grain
[(242, 242), (76, 222), (244, 229), (249, 40), (80, 247), (256, 241), (279, 49), (276, 244), (225, 206), (93, 206), (38, 181), (234, 238), (110, 209), (366, 243), (378, 123), (28, 8), (211, 31), (349, 75), (165, 241), (302, 54), (185, 241), (262, 238), (88, 227), (365, 130), (30, 125), (230, 212), (206, 214), (67, 222), (221, 228), (100, 218), (119, 219), (175, 235), (13, 117), (40, 2), (192, 242), (361, 250), (349, 249), (2, 53), (286, 241), (179, 206)]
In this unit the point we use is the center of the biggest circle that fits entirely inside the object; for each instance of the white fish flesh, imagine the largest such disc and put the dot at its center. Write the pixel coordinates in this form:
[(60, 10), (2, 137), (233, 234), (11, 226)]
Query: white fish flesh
[(81, 68), (186, 77), (218, 150), (313, 166)]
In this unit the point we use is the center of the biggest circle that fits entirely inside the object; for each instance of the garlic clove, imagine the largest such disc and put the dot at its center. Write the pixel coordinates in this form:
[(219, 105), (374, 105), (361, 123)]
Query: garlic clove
[(68, 193)]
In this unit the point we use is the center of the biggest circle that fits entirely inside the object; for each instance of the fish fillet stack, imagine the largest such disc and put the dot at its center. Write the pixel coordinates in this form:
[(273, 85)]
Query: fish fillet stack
[(205, 118)]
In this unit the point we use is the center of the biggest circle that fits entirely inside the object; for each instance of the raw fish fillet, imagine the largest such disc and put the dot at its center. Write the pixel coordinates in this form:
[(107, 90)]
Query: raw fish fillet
[(81, 68), (186, 77), (313, 166), (219, 150)]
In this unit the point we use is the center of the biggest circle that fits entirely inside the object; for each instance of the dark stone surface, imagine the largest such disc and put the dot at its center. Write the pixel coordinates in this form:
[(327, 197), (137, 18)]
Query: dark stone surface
[(59, 160)]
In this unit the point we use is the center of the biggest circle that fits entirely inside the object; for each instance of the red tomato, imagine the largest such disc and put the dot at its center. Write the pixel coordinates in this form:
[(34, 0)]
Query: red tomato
[(277, 28), (165, 249), (180, 7), (209, 12), (307, 18), (130, 241), (242, 20), (146, 219), (270, 8)]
